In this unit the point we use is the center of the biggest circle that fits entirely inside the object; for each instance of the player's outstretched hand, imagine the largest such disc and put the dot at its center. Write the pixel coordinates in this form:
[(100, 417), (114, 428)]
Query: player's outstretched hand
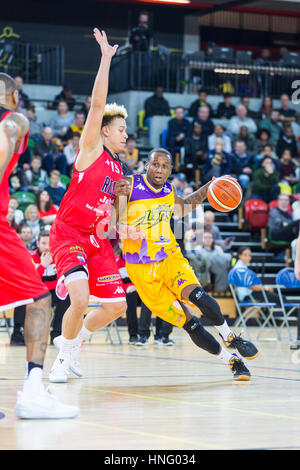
[(122, 188), (106, 49)]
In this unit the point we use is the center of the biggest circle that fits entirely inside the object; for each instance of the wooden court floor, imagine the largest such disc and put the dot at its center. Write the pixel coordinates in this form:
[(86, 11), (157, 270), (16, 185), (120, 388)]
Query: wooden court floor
[(160, 398)]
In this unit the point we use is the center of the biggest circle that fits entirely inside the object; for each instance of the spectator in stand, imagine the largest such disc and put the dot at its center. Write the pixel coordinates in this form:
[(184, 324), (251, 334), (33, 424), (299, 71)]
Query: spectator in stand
[(265, 181), (286, 113), (217, 162), (248, 138), (266, 108), (77, 126), (56, 189), (281, 224), (24, 101), (35, 126), (132, 152), (16, 180), (287, 168), (219, 134), (18, 214), (179, 181), (210, 226), (241, 164), (86, 106), (156, 105), (65, 95), (11, 219), (51, 157), (241, 119), (272, 125), (196, 147), (36, 178), (127, 170), (282, 51), (245, 100), (287, 141), (27, 237), (140, 35), (201, 101), (71, 150), (178, 130), (219, 262), (226, 109), (32, 219), (267, 152), (47, 210), (265, 57), (62, 120), (47, 271), (243, 293), (205, 121), (263, 139)]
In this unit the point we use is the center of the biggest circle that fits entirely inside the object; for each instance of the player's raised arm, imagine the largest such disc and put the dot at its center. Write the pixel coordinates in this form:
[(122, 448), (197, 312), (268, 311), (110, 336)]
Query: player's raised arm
[(91, 145), (12, 130)]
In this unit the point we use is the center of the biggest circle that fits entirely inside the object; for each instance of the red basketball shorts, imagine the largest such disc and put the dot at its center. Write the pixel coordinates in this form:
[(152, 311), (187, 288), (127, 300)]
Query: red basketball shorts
[(72, 249), (20, 283)]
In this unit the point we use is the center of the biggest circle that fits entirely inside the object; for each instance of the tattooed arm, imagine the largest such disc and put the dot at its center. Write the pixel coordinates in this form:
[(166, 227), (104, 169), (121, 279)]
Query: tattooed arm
[(185, 205)]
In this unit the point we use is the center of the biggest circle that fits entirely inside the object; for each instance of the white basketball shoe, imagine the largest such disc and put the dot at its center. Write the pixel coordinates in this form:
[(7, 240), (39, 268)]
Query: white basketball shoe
[(74, 364), (43, 405)]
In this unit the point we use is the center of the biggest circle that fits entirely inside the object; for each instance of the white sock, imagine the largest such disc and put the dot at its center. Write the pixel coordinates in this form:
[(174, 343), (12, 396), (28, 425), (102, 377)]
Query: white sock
[(224, 356), (68, 345), (224, 330), (83, 334), (33, 381)]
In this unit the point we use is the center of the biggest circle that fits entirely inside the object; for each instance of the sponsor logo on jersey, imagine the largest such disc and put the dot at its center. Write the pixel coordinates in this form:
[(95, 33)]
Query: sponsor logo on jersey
[(76, 248), (111, 278), (152, 217), (166, 190)]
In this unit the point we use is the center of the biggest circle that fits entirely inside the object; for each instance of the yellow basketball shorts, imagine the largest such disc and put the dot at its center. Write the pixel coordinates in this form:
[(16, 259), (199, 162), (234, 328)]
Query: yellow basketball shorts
[(160, 285)]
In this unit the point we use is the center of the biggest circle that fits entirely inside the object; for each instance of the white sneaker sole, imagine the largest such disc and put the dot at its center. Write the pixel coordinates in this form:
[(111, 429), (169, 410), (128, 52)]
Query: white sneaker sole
[(58, 380), (26, 413)]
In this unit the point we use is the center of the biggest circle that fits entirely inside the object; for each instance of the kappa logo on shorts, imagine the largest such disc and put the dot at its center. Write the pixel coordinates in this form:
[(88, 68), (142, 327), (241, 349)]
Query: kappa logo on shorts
[(180, 281), (111, 278), (119, 290)]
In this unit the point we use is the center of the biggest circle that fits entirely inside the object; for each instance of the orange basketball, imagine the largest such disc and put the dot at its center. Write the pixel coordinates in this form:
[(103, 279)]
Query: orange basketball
[(224, 194)]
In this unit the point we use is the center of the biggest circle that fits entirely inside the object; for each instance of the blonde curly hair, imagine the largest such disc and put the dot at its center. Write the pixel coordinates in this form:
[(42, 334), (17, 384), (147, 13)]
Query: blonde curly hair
[(112, 111)]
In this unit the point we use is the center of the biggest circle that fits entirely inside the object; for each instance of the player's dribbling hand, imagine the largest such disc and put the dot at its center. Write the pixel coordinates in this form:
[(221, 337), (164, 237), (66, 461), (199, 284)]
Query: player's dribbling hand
[(122, 188), (106, 49)]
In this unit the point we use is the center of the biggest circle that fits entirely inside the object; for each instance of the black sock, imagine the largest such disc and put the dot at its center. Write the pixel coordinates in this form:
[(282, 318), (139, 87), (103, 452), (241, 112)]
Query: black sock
[(208, 305), (202, 338), (32, 365)]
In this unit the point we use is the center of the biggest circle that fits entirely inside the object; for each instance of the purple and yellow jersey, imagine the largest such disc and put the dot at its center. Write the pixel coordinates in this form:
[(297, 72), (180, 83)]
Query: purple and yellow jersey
[(150, 210)]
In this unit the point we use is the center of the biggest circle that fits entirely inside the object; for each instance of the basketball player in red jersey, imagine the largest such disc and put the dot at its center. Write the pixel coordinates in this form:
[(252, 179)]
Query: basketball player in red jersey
[(19, 281), (83, 256)]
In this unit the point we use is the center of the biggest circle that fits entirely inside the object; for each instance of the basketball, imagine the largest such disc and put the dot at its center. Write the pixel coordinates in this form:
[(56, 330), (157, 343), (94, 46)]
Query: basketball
[(224, 194)]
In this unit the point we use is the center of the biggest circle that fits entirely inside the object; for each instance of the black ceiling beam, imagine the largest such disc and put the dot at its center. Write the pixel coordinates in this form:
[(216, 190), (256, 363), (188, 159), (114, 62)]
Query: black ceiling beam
[(223, 6)]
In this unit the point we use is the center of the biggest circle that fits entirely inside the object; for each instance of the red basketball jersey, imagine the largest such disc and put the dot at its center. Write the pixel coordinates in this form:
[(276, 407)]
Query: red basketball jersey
[(4, 185), (89, 199)]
